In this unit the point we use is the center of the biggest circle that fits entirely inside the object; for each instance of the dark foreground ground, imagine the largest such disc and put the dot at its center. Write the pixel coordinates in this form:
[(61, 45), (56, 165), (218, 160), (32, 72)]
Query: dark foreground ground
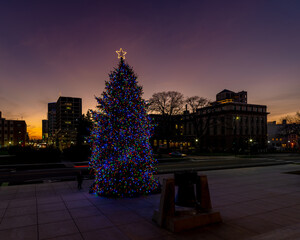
[(258, 203)]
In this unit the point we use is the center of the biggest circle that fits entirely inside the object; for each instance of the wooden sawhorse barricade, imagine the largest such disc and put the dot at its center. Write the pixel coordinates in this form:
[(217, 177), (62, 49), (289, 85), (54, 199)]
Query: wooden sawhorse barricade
[(185, 218)]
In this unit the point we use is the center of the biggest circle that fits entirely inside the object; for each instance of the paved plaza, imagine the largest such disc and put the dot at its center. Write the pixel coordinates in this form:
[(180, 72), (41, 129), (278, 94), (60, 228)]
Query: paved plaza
[(258, 203)]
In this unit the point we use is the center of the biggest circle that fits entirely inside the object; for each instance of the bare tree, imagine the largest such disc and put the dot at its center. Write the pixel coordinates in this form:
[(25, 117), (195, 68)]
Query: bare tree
[(194, 103), (168, 105), (291, 127)]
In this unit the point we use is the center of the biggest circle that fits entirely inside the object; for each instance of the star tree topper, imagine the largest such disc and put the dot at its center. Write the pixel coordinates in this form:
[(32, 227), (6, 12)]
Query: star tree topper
[(121, 53)]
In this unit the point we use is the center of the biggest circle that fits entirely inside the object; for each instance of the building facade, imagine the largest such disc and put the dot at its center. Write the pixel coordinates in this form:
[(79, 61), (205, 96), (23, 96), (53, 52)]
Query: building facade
[(12, 132), (63, 121), (230, 96), (284, 136), (229, 124), (229, 127), (45, 130), (51, 123), (168, 132)]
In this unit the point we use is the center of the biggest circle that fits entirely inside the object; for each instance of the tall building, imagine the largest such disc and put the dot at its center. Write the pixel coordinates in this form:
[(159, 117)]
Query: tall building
[(68, 115), (12, 132), (45, 130), (51, 123)]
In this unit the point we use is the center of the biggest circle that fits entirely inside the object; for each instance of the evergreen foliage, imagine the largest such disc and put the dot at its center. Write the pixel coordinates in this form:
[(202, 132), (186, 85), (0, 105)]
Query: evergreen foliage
[(121, 155)]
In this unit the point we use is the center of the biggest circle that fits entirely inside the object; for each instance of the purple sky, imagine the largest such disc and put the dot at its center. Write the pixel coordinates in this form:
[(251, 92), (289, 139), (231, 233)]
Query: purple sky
[(60, 47)]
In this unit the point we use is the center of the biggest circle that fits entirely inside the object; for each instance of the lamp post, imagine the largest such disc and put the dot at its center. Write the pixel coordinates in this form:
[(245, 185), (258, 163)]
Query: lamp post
[(236, 119), (196, 144), (250, 145)]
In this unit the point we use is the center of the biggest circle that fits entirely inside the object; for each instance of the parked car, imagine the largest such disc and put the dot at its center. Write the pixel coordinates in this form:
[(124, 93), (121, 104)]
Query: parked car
[(177, 154)]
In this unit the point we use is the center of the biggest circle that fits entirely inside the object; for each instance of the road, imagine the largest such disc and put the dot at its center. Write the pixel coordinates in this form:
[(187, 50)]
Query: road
[(13, 176), (212, 163)]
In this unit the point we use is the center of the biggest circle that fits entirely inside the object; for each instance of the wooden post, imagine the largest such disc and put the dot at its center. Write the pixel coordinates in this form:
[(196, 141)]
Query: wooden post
[(167, 201), (202, 191)]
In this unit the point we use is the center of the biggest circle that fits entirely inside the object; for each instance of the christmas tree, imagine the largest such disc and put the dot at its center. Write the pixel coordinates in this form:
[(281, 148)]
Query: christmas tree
[(121, 155)]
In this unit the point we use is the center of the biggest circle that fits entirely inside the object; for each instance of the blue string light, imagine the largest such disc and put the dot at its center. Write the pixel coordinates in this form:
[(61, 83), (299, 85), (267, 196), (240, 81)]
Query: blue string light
[(122, 157)]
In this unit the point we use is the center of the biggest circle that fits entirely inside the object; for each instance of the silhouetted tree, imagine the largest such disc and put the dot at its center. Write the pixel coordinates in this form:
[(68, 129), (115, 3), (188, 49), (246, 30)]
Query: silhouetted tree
[(291, 126), (84, 128), (192, 104), (169, 105)]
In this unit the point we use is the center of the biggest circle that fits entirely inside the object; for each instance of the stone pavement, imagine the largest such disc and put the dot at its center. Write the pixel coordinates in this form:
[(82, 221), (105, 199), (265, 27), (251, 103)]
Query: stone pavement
[(260, 203)]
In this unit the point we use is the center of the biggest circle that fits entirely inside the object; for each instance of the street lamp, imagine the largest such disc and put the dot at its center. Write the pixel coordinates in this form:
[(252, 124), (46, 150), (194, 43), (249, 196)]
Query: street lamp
[(250, 145)]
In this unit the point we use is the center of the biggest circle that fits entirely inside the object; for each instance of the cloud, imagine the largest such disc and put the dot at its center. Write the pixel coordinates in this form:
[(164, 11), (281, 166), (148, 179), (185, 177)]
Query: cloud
[(282, 97), (4, 101)]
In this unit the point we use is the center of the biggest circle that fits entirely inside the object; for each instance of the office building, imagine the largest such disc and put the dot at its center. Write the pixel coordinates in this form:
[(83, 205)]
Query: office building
[(63, 121), (45, 130), (51, 123), (12, 132)]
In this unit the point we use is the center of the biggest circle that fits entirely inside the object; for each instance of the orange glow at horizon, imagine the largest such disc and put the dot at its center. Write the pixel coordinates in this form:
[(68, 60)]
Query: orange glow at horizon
[(70, 51), (34, 126)]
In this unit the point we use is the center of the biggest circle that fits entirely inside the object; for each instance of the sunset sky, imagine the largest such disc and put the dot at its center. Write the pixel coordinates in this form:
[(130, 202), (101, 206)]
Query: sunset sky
[(59, 47)]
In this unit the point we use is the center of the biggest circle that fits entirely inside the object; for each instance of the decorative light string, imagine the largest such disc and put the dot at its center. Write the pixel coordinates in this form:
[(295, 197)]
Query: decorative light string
[(122, 157)]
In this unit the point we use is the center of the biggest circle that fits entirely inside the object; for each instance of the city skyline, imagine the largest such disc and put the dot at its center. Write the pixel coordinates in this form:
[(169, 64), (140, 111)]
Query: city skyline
[(52, 48)]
